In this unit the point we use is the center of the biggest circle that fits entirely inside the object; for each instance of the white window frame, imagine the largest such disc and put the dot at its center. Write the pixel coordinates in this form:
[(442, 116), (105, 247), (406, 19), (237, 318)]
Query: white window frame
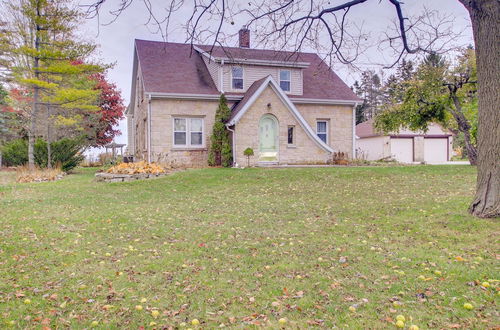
[(242, 78), (326, 129), (188, 133), (280, 80)]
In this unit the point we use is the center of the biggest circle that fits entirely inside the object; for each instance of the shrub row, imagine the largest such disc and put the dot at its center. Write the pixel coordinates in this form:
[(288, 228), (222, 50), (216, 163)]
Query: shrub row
[(65, 152)]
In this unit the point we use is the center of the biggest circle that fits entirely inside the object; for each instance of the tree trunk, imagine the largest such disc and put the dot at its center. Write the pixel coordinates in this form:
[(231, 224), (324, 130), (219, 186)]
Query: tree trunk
[(49, 139), (464, 127), (31, 133), (485, 17), (471, 149)]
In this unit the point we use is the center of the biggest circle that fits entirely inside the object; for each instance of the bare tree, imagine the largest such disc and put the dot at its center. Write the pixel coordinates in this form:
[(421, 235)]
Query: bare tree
[(295, 24)]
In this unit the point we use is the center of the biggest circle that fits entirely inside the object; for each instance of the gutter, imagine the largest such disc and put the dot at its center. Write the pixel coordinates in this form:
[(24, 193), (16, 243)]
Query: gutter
[(354, 130), (233, 138), (186, 96), (300, 100), (149, 128)]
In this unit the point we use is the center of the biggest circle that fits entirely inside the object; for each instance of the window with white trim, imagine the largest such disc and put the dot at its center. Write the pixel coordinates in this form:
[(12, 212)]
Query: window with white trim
[(188, 132), (237, 77), (322, 130), (285, 80)]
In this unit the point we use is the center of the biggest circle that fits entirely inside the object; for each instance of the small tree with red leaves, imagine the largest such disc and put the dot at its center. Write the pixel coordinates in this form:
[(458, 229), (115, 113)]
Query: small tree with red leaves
[(110, 112)]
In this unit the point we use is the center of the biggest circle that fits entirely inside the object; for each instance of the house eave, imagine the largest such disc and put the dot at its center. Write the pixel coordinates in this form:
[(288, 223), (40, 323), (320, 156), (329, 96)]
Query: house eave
[(190, 96), (322, 101)]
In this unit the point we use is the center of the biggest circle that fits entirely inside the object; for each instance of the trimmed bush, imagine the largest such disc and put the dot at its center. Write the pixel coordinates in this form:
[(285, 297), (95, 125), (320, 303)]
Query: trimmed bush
[(248, 152), (15, 153)]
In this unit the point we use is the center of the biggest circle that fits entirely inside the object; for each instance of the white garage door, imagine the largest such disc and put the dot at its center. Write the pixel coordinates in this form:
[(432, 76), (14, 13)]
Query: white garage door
[(402, 149), (435, 150)]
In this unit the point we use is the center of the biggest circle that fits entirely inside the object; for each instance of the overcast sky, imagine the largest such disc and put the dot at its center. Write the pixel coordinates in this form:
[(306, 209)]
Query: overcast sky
[(116, 39)]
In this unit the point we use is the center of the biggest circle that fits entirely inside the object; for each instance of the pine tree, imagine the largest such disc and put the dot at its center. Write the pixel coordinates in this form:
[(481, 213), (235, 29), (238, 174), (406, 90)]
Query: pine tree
[(220, 146), (395, 85), (370, 91), (434, 60)]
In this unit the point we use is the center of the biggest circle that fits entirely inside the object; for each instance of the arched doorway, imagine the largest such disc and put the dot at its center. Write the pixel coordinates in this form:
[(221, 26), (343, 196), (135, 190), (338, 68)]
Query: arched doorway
[(268, 138)]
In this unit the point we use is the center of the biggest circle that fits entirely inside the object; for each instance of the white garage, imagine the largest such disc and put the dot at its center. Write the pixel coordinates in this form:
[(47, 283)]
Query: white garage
[(405, 146)]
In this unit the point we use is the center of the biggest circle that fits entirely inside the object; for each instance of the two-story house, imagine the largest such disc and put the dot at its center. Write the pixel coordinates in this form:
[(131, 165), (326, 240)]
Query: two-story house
[(290, 108)]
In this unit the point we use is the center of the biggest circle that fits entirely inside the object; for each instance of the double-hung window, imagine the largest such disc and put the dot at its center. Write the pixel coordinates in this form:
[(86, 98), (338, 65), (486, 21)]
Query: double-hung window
[(285, 80), (237, 77), (188, 132), (322, 130)]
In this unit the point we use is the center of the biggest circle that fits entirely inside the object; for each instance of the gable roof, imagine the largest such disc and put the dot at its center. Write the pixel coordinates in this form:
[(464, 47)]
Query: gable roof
[(175, 68), (246, 98), (252, 95), (365, 129)]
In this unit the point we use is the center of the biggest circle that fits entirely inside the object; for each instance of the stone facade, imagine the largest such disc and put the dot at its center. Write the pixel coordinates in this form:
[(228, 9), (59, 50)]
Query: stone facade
[(339, 118), (304, 151), (163, 112), (137, 123)]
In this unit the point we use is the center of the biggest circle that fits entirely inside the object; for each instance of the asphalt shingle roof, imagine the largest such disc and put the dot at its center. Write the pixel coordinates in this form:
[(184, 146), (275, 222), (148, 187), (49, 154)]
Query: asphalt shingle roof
[(177, 68)]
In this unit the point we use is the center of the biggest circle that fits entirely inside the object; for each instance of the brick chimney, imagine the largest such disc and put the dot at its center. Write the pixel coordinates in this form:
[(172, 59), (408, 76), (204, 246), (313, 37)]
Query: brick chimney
[(244, 35)]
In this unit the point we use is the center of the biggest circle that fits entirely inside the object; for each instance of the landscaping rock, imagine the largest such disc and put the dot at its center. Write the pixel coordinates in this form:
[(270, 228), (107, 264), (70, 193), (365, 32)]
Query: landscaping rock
[(112, 177)]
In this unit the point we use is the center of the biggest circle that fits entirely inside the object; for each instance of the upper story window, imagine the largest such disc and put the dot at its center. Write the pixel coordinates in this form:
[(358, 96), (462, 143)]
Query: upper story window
[(188, 132), (237, 77), (285, 80), (322, 130)]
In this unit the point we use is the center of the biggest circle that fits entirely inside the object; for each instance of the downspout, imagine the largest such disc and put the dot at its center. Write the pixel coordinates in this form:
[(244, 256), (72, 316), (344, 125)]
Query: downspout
[(354, 130), (233, 138), (149, 128)]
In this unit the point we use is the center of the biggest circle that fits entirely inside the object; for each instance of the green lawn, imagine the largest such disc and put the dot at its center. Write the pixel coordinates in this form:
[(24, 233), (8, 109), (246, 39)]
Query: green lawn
[(248, 247)]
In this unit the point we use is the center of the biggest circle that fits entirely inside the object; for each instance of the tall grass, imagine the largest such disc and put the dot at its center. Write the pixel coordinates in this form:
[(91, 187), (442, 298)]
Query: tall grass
[(24, 174)]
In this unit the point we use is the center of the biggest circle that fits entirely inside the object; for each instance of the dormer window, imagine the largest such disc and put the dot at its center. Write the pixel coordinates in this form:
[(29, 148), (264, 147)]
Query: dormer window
[(237, 76), (285, 78)]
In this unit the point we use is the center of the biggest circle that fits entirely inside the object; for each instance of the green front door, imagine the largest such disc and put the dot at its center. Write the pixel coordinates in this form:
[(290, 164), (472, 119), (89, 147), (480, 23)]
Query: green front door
[(268, 139)]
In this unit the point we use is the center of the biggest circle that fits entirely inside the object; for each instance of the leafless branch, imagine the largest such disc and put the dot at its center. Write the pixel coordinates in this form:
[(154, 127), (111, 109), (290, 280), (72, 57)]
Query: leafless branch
[(296, 24)]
